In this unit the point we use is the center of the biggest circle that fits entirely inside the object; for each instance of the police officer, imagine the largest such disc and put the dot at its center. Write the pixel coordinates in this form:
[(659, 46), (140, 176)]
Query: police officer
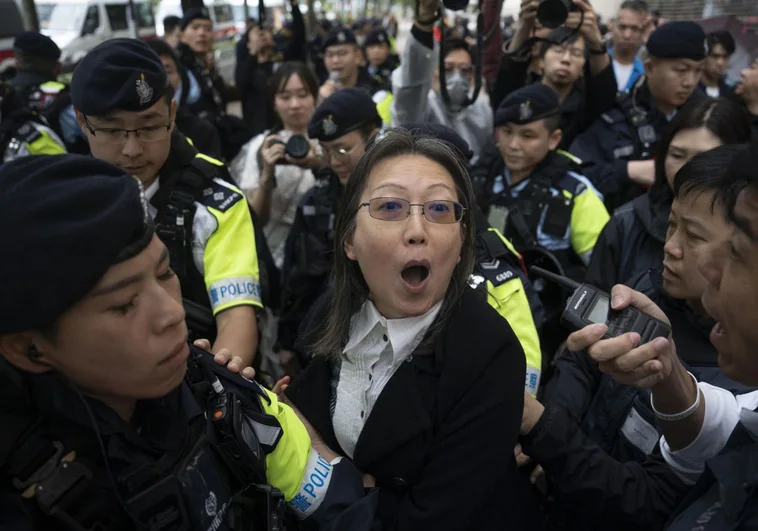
[(22, 131), (37, 61), (196, 43), (104, 402), (343, 124), (381, 60), (343, 58), (537, 196), (619, 146), (124, 104)]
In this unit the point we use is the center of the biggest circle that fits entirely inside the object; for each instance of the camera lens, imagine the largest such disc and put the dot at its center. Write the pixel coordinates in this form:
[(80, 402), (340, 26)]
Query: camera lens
[(552, 13), (298, 147)]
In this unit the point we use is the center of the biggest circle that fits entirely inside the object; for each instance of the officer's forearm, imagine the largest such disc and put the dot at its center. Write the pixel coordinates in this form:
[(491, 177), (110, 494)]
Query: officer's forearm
[(238, 331)]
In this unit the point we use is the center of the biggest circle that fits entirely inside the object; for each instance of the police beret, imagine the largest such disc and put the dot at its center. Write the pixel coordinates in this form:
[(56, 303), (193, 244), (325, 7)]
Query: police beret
[(194, 14), (681, 39), (528, 104), (344, 111), (68, 219), (377, 36), (34, 43), (724, 38), (118, 74), (339, 36), (444, 133)]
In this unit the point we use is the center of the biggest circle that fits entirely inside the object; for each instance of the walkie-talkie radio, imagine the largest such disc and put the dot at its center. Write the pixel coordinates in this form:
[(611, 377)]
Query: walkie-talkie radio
[(589, 305)]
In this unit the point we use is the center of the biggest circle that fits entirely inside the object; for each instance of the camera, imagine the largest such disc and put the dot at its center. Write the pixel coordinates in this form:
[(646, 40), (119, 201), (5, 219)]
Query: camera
[(297, 147), (553, 13)]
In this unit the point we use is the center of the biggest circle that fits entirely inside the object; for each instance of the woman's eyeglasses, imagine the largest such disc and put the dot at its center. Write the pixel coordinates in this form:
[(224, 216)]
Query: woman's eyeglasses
[(395, 209)]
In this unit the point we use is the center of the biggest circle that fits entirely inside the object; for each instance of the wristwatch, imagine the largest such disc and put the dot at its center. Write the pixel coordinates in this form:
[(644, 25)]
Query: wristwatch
[(602, 51)]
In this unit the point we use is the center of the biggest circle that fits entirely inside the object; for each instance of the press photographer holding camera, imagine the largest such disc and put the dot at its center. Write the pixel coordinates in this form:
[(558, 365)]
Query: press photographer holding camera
[(572, 60)]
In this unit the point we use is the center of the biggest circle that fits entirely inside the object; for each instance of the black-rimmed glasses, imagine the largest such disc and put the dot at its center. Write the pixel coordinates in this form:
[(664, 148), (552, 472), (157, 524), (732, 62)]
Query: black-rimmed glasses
[(395, 209), (113, 135)]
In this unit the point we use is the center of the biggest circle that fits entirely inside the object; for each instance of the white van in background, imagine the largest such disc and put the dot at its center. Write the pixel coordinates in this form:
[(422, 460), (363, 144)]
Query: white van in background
[(77, 26), (224, 32)]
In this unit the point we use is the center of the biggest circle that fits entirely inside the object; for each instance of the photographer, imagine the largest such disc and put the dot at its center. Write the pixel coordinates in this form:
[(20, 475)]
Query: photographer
[(575, 64), (273, 180), (416, 84)]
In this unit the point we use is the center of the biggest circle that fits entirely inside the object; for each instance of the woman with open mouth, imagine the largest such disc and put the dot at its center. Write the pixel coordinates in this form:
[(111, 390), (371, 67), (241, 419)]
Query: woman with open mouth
[(415, 378)]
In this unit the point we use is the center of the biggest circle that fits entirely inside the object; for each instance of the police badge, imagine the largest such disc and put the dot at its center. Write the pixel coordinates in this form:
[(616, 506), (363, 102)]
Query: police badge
[(328, 126), (525, 111), (341, 36), (144, 90)]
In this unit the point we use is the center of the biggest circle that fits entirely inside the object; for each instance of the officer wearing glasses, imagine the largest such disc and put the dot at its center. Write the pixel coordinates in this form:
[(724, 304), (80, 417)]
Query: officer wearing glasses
[(123, 103), (343, 124)]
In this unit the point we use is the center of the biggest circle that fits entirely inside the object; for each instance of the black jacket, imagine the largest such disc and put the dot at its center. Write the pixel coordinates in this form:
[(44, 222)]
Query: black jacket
[(612, 141), (580, 109), (252, 78), (631, 242), (308, 256), (608, 494), (212, 102), (602, 406), (440, 438), (202, 133)]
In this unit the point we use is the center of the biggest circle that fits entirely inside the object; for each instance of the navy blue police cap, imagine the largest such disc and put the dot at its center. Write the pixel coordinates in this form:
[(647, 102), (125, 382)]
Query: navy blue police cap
[(38, 45), (344, 111), (377, 36), (339, 36), (528, 104), (194, 13), (444, 133), (72, 217), (682, 39), (121, 74)]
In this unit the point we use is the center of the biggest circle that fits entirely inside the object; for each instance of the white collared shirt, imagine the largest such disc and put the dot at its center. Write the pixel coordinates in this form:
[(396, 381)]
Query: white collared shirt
[(375, 351), (723, 411)]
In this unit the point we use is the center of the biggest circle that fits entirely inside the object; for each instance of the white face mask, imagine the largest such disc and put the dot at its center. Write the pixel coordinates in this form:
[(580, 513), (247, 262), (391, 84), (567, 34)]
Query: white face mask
[(457, 88)]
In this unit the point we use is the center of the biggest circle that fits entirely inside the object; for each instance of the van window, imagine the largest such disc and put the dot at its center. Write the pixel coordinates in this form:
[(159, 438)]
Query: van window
[(117, 16), (239, 13), (143, 16), (223, 13), (44, 12), (91, 21), (70, 17)]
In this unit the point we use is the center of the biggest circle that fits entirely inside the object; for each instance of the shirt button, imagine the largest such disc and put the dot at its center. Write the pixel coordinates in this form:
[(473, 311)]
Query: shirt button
[(362, 413), (370, 377), (385, 337)]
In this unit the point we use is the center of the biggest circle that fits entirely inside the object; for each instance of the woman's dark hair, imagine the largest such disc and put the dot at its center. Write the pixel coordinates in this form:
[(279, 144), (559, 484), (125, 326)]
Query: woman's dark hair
[(350, 288), (725, 119), (279, 80), (708, 172)]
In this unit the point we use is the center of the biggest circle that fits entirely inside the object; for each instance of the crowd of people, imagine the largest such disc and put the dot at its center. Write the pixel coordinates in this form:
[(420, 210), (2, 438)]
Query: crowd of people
[(325, 313)]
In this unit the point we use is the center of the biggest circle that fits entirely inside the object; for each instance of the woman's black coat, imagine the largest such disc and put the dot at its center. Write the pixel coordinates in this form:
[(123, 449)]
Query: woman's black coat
[(440, 439)]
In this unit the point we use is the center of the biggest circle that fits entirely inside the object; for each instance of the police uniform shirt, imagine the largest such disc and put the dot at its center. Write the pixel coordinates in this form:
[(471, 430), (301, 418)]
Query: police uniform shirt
[(588, 215), (223, 245)]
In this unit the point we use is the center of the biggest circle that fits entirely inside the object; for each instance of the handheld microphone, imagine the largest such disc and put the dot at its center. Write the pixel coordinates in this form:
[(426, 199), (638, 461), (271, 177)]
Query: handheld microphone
[(335, 78)]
